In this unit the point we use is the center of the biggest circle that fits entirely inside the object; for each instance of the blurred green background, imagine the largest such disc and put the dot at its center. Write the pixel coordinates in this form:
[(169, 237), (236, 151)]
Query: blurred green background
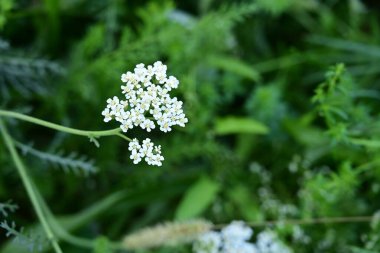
[(257, 146)]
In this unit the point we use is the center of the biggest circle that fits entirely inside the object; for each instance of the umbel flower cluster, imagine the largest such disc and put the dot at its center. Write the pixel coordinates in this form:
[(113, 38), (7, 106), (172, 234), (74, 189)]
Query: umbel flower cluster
[(147, 104), (151, 153), (235, 237)]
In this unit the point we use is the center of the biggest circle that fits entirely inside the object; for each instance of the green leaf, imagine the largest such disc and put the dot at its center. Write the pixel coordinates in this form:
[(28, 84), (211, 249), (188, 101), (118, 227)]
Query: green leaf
[(197, 198), (6, 5), (94, 140), (235, 125), (244, 201), (102, 245), (366, 142), (359, 250), (235, 66)]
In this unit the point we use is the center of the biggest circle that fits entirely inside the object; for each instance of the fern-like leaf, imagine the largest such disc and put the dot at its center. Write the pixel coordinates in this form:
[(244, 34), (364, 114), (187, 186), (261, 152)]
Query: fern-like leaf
[(7, 207), (33, 241), (26, 75), (72, 162)]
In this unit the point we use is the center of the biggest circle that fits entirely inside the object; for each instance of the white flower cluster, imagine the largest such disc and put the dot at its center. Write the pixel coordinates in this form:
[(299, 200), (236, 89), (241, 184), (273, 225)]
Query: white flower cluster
[(268, 242), (147, 104), (234, 238), (147, 149), (209, 242), (147, 98)]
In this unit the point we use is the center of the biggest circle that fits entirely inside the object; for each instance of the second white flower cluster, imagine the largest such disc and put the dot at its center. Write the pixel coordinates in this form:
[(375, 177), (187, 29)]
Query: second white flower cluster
[(147, 150), (235, 237)]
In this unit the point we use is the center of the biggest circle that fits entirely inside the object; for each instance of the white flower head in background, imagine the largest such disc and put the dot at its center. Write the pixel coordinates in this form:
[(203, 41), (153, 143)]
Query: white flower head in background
[(237, 231), (209, 242), (234, 238), (268, 242), (147, 104)]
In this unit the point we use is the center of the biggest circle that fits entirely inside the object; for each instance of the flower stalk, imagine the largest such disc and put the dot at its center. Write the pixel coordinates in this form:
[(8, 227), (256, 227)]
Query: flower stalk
[(69, 130), (28, 184)]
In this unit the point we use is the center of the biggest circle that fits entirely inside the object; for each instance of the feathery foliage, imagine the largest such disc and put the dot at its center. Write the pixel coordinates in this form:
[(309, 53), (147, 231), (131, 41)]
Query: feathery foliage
[(282, 99), (31, 241), (7, 207), (26, 75), (73, 162)]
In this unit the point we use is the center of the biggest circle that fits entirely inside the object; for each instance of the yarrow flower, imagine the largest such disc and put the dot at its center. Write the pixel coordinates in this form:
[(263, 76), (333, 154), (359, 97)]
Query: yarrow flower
[(147, 104), (147, 150), (232, 239), (235, 237), (236, 231), (267, 242), (209, 242)]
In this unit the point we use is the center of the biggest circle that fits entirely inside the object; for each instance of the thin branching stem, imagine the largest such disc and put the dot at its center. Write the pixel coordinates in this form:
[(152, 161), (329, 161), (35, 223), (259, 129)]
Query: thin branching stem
[(64, 234), (322, 220), (58, 127), (44, 123), (123, 137), (27, 181)]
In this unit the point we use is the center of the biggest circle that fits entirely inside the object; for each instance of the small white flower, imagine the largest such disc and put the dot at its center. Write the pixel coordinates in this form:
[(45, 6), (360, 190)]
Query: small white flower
[(161, 78), (126, 89), (165, 126), (241, 247), (149, 125), (209, 242), (112, 103), (155, 157), (134, 145), (124, 78), (159, 68), (107, 114), (133, 101), (138, 119), (237, 231), (140, 72), (172, 83), (267, 241), (149, 71), (147, 145), (126, 125), (135, 156), (129, 77)]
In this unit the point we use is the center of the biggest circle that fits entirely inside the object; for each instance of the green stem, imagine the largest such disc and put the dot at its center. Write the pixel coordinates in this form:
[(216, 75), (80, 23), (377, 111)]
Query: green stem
[(29, 186), (64, 234), (322, 220), (48, 124), (123, 137)]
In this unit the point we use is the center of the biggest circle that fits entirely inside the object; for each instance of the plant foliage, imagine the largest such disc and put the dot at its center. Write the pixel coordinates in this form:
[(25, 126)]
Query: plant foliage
[(282, 99)]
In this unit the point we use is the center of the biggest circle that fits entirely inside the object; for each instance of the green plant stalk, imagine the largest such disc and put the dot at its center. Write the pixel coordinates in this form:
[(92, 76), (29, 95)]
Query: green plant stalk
[(62, 232), (44, 123), (66, 236), (28, 186), (315, 221)]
